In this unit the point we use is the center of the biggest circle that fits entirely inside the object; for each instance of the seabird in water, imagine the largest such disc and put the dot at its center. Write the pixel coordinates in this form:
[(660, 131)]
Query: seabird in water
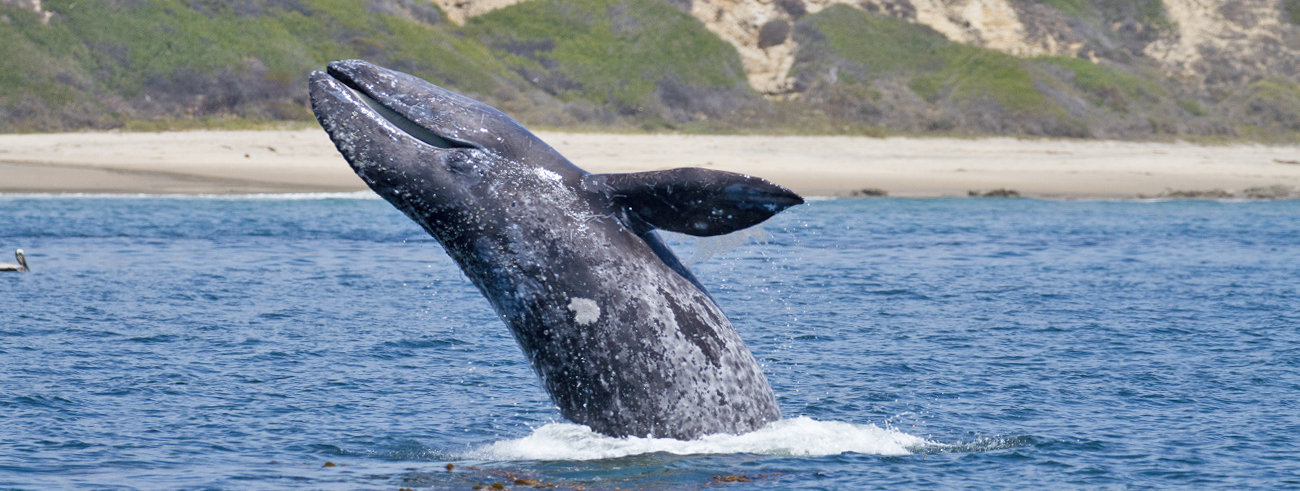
[(21, 266)]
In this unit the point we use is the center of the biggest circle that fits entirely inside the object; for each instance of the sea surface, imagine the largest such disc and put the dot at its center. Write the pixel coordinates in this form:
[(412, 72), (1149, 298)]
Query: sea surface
[(326, 342)]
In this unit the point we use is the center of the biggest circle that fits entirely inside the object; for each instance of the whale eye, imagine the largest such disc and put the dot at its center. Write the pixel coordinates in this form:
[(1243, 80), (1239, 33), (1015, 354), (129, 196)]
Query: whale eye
[(459, 163)]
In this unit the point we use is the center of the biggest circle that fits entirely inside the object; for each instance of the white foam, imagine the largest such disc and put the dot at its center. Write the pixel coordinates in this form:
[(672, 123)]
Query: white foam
[(799, 437), (705, 248)]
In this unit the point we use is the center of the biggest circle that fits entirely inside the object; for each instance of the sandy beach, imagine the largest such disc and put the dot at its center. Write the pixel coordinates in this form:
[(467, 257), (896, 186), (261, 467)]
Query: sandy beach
[(224, 162)]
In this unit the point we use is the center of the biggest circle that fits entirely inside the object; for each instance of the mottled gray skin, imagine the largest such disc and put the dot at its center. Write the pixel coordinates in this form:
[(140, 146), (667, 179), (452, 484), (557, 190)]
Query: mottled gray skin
[(623, 337)]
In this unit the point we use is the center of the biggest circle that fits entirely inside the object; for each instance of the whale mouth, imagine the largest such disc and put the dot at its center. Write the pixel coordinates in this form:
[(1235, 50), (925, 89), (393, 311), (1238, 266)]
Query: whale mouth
[(390, 114)]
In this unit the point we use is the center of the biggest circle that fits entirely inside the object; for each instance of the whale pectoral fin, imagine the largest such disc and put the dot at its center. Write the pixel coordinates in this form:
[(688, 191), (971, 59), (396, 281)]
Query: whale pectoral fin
[(695, 201)]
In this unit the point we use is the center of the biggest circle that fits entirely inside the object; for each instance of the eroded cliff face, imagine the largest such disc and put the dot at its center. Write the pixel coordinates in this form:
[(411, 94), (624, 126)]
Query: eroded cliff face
[(993, 24), (760, 30), (1227, 41), (1203, 41)]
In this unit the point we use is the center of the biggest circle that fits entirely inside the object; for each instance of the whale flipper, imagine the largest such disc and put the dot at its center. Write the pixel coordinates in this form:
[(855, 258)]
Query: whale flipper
[(694, 201)]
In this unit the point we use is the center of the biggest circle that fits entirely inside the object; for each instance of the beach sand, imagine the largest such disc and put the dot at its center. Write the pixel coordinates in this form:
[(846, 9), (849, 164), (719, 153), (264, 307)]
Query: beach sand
[(225, 162)]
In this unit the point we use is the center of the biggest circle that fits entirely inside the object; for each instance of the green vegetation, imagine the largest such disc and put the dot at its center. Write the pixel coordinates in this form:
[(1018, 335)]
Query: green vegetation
[(929, 84), (615, 65), (1108, 85), (1073, 8), (173, 63), (614, 52), (38, 78), (1276, 91), (1275, 100), (169, 61), (979, 73), (929, 87), (937, 70), (881, 46), (1192, 107), (1152, 14)]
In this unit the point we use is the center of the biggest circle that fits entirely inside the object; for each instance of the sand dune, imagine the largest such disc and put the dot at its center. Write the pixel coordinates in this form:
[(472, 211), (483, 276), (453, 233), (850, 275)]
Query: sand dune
[(306, 161)]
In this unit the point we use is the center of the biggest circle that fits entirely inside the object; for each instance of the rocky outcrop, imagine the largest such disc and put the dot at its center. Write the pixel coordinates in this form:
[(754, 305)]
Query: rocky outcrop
[(759, 29), (1228, 41), (992, 24)]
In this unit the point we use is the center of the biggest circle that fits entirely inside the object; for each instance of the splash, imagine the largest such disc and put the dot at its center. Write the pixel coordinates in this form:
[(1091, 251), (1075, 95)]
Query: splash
[(798, 437), (706, 248)]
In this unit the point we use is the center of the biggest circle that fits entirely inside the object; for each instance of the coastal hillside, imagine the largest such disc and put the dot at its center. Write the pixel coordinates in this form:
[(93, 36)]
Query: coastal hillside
[(1135, 69), (142, 64)]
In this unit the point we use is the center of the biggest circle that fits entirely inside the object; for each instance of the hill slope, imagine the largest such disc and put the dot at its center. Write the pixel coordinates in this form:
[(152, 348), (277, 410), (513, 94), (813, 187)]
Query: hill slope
[(1139, 69), (102, 64)]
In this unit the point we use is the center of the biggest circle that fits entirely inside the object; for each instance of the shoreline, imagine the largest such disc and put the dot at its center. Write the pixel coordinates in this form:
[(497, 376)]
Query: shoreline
[(305, 161)]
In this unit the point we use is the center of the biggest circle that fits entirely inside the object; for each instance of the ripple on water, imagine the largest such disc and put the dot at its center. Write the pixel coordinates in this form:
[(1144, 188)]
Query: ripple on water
[(242, 343)]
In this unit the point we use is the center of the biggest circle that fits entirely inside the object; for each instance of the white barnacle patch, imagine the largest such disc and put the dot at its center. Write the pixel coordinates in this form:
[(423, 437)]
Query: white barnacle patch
[(585, 310), (548, 175)]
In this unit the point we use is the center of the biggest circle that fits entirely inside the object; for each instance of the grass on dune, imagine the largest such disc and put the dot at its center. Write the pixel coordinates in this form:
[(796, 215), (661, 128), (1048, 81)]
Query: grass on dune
[(1108, 85), (612, 52), (937, 67), (208, 61)]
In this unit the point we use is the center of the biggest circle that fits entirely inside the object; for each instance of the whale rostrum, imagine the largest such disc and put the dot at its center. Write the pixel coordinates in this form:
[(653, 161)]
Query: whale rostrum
[(622, 335)]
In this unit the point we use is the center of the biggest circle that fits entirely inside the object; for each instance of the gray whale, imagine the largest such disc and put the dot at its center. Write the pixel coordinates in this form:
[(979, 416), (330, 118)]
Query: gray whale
[(622, 336)]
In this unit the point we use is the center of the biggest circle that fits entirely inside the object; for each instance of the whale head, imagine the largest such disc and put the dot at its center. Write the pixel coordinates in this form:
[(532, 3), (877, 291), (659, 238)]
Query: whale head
[(429, 151)]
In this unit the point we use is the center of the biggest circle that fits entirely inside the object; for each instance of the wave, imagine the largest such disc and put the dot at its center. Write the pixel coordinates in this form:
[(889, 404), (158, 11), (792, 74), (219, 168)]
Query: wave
[(797, 437)]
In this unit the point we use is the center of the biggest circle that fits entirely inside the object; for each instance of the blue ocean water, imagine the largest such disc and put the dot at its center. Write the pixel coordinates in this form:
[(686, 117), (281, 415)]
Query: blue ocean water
[(244, 342)]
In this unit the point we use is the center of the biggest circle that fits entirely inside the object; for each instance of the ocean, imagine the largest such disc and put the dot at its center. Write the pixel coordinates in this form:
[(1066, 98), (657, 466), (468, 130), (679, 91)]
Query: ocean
[(326, 342)]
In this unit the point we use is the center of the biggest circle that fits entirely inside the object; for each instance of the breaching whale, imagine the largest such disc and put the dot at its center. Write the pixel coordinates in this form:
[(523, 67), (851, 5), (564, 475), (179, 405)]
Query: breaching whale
[(622, 335)]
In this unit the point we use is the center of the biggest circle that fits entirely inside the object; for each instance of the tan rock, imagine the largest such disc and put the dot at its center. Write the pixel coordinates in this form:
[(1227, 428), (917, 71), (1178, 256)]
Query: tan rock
[(1249, 32), (458, 11), (991, 24), (738, 22)]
